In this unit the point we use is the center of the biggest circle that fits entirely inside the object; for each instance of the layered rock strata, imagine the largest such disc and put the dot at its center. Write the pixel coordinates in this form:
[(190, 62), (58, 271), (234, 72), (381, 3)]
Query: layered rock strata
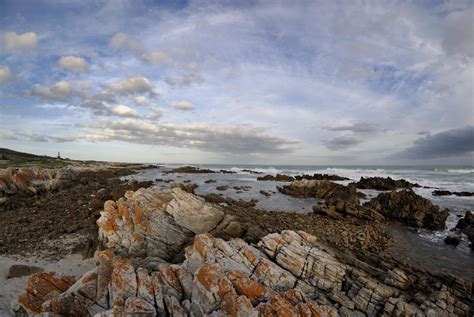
[(30, 181), (286, 274)]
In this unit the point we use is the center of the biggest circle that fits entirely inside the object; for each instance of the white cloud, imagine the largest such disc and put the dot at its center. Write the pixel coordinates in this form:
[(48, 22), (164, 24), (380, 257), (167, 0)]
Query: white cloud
[(74, 64), (134, 85), (13, 41), (154, 57), (61, 91), (124, 111), (141, 100), (122, 40), (182, 105), (5, 75), (232, 139)]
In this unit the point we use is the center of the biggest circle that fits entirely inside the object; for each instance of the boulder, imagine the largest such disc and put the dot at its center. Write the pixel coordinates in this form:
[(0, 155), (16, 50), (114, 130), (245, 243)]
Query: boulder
[(188, 187), (19, 270), (408, 207), (322, 177), (277, 178), (193, 212), (339, 200), (155, 222), (381, 183), (466, 226)]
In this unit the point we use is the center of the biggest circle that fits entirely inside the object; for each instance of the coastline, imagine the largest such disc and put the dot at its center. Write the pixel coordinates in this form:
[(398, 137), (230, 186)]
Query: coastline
[(326, 230)]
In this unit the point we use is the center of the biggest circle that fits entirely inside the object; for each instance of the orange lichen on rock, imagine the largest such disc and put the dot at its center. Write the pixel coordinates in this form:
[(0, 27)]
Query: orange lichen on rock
[(41, 287)]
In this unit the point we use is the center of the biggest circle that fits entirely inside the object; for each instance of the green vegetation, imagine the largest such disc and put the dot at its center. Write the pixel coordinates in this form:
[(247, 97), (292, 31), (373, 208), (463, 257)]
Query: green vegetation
[(10, 158)]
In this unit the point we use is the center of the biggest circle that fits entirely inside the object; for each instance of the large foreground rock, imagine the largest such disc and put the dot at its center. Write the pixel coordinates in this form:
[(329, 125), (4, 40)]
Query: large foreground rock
[(410, 208), (155, 222), (286, 274)]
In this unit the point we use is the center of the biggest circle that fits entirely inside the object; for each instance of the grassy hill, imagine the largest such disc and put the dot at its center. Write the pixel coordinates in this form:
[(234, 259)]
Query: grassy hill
[(19, 159)]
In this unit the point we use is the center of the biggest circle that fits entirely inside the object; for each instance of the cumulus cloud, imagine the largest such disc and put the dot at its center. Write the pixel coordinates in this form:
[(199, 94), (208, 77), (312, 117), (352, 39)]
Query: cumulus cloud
[(5, 75), (141, 100), (182, 105), (134, 85), (454, 142), (124, 41), (355, 127), (101, 108), (15, 42), (124, 111), (62, 91), (235, 140), (74, 64), (154, 57), (342, 142)]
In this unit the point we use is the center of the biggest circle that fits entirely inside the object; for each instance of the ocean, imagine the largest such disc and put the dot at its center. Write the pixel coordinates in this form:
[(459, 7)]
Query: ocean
[(452, 178)]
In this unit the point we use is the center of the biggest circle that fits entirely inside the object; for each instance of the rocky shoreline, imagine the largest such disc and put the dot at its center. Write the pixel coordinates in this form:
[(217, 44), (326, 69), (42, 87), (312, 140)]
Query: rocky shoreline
[(166, 251)]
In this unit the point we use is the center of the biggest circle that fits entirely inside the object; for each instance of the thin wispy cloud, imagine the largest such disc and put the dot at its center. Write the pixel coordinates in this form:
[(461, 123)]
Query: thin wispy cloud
[(303, 81)]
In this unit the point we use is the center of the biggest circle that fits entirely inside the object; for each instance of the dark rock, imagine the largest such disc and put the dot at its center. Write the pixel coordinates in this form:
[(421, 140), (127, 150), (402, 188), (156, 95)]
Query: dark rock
[(251, 172), (277, 178), (408, 207), (449, 193), (187, 187), (214, 198), (19, 270), (381, 183), (210, 181), (222, 187), (227, 172), (265, 193), (452, 240), (321, 177), (466, 226), (190, 170)]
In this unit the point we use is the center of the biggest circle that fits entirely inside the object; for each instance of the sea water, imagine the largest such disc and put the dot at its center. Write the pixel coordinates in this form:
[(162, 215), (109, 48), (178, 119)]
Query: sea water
[(430, 178)]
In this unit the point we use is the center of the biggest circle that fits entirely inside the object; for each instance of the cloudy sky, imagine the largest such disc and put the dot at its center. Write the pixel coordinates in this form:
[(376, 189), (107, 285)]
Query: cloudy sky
[(290, 82)]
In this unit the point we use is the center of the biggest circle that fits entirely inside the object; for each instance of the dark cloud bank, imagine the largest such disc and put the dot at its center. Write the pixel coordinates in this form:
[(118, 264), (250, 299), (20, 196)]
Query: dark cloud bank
[(454, 142)]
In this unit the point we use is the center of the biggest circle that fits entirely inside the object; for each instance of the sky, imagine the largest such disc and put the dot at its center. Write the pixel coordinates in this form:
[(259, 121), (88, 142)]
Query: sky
[(244, 82)]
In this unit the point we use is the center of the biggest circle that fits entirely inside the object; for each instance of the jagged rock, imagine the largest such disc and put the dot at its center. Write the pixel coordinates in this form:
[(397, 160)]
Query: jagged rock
[(452, 240), (188, 187), (321, 177), (41, 287), (449, 193), (193, 213), (155, 222), (277, 178), (381, 183), (285, 274), (466, 226), (210, 181), (190, 170), (339, 200), (410, 208), (222, 187), (31, 181), (215, 198), (265, 193)]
